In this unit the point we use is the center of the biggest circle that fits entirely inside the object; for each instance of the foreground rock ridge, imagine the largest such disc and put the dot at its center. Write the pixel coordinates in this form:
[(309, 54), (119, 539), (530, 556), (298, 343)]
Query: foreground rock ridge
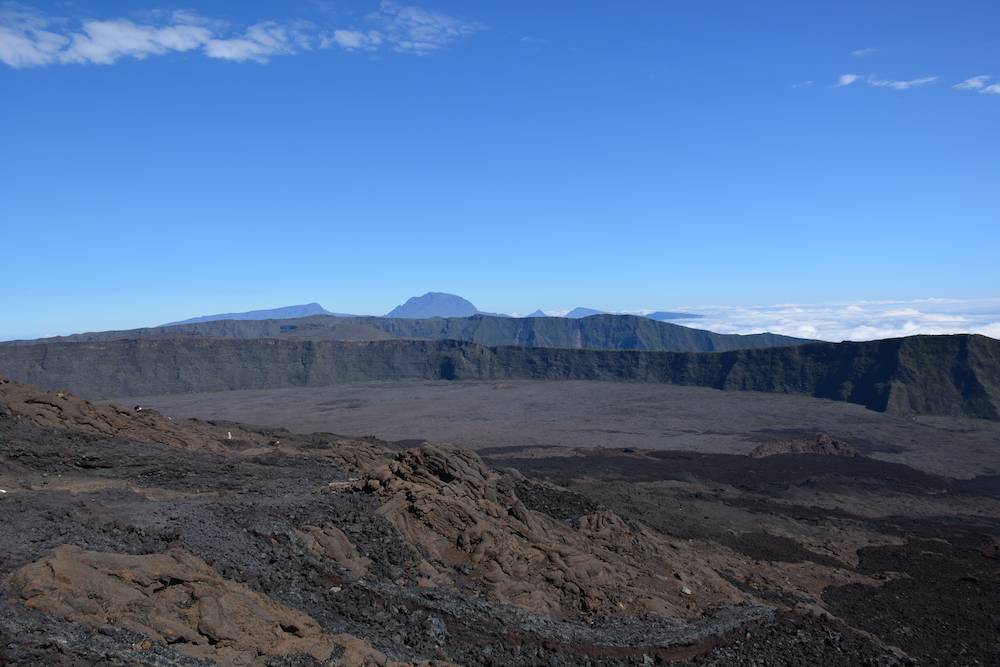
[(134, 539), (919, 375)]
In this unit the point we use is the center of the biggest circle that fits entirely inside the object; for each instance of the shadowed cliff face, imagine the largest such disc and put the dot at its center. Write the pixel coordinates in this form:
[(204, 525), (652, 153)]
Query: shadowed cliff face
[(951, 375), (947, 374)]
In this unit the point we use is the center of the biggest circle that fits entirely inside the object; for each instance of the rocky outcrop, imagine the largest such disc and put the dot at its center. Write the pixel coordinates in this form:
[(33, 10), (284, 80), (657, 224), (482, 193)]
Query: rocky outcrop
[(177, 600), (330, 542), (822, 444), (471, 524), (63, 410)]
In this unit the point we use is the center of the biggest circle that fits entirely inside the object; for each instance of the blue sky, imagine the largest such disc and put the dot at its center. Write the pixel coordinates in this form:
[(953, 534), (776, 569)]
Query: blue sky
[(163, 161)]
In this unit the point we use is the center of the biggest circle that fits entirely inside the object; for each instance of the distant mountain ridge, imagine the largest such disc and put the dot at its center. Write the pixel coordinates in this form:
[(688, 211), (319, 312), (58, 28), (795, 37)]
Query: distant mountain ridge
[(604, 332), (947, 375), (283, 313), (659, 315), (429, 305)]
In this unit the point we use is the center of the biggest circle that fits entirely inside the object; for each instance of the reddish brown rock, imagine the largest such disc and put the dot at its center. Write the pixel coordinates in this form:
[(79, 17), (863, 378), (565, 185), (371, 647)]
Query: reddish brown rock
[(331, 542), (177, 599), (60, 409), (468, 518)]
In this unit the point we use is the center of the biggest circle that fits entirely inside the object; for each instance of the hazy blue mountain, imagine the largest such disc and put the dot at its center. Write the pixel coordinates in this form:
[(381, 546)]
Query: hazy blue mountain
[(537, 313), (283, 313), (668, 316), (583, 312), (434, 304), (598, 332)]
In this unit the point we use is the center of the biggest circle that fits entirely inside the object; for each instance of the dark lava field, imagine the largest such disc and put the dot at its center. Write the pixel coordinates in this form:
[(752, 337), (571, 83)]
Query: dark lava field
[(139, 538), (598, 414)]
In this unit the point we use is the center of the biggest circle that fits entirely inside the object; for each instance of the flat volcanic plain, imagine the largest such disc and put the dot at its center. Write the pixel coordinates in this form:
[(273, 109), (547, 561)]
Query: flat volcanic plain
[(529, 414)]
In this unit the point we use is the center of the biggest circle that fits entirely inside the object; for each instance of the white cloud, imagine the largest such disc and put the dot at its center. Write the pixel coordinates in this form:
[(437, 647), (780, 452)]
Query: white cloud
[(415, 30), (901, 312), (30, 39), (850, 320), (973, 83), (355, 39), (900, 85), (104, 42), (859, 320), (25, 40), (261, 41), (864, 53)]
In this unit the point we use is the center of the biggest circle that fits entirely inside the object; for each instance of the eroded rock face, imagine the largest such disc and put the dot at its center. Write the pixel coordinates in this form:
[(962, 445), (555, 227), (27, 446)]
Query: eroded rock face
[(470, 521), (330, 542), (177, 599)]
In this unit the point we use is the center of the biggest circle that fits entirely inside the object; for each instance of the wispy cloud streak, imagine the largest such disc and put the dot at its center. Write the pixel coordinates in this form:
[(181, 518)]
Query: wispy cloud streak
[(864, 53), (876, 82), (416, 30), (32, 39), (973, 83), (979, 84)]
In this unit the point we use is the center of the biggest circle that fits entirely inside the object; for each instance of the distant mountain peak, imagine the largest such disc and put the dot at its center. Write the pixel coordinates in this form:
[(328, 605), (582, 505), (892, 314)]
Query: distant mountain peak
[(434, 304), (580, 311), (537, 313)]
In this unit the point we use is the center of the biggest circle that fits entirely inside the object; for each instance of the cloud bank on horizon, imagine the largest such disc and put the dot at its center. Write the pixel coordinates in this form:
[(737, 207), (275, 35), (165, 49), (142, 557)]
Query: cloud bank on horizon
[(29, 38), (847, 320), (856, 320)]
